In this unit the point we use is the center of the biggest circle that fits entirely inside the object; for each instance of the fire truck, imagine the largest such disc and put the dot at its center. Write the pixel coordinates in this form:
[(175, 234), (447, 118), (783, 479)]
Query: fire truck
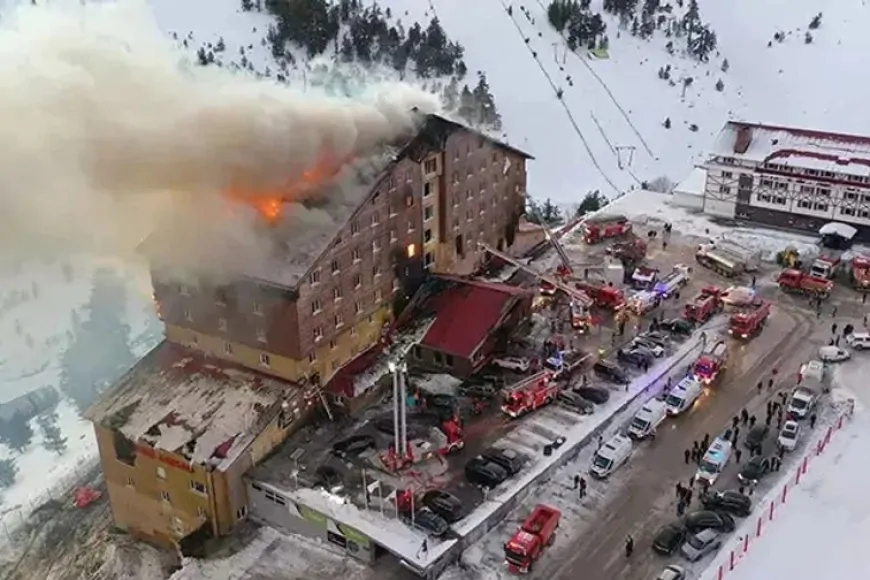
[(529, 394), (703, 306), (631, 253), (708, 366), (447, 439), (598, 229), (644, 278), (602, 295), (679, 277), (527, 544), (803, 283), (826, 265), (749, 322), (859, 273)]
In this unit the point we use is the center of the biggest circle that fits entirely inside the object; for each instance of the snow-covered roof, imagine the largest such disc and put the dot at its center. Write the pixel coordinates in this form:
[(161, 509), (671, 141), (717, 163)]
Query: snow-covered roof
[(695, 182), (837, 229), (835, 152), (199, 408)]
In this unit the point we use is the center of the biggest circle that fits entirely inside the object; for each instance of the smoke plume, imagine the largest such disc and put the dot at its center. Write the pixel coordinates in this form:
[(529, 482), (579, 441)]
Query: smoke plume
[(109, 133)]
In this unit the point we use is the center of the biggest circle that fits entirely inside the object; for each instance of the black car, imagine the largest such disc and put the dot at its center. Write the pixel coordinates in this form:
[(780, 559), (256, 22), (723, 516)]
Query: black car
[(327, 477), (354, 445), (669, 539), (441, 400), (576, 402), (598, 395), (677, 326), (477, 390), (635, 356), (611, 372), (755, 438), (430, 522), (656, 337), (485, 473), (507, 459), (730, 501), (443, 504), (754, 470), (386, 425), (708, 520)]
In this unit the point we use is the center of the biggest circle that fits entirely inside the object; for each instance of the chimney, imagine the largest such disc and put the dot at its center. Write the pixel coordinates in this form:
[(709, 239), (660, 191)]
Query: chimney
[(744, 138)]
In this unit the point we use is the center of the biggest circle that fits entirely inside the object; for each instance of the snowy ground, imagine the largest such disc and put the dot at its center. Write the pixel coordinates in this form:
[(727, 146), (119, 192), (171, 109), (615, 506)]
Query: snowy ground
[(826, 514), (37, 321)]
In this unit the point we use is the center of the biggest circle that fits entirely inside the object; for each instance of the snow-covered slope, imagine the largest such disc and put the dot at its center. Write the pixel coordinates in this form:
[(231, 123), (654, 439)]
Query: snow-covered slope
[(608, 130)]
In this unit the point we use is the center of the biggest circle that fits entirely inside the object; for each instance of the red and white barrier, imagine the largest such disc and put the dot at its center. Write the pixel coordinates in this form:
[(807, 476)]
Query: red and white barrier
[(740, 551)]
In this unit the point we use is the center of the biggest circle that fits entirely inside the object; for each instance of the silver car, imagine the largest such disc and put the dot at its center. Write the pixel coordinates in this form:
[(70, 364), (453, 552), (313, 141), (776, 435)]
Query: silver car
[(701, 544)]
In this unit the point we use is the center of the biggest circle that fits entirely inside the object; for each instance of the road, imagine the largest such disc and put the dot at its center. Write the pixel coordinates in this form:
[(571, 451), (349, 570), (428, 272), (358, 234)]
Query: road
[(646, 499)]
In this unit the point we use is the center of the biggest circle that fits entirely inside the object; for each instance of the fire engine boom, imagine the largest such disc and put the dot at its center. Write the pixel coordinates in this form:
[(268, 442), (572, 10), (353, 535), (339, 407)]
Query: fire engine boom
[(749, 322), (598, 229), (530, 394)]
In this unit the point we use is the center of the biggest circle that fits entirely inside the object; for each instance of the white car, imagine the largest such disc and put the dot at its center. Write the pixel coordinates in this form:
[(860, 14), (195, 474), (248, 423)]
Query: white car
[(789, 435), (672, 572), (512, 363), (859, 340), (834, 354)]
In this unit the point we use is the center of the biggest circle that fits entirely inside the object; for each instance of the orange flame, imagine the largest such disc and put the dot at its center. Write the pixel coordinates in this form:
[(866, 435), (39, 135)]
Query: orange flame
[(270, 204)]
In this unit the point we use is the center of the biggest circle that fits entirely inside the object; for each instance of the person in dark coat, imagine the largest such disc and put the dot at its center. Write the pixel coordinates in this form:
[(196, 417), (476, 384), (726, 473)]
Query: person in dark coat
[(744, 416), (629, 546), (737, 452), (687, 454), (576, 481), (813, 421), (582, 488), (735, 421)]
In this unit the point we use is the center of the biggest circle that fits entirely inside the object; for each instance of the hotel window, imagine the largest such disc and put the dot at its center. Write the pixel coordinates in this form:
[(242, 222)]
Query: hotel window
[(356, 255), (354, 227), (222, 324), (318, 333), (314, 277), (264, 359), (357, 281), (336, 293), (261, 335), (336, 268), (316, 306), (430, 166), (257, 308), (228, 348)]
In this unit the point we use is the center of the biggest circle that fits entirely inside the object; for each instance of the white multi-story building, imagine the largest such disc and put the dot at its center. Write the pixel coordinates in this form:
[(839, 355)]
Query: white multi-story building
[(793, 178)]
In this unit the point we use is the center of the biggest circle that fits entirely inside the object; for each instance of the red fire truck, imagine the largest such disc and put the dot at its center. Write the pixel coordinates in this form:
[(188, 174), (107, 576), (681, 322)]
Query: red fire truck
[(803, 283), (703, 306), (859, 272), (708, 366), (749, 322), (603, 296), (598, 229), (527, 544), (530, 394)]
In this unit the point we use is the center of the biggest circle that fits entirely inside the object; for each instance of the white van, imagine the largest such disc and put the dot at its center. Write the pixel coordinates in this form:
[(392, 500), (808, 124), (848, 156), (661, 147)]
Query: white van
[(647, 419), (803, 400), (859, 340), (714, 461), (610, 456), (683, 396), (814, 369)]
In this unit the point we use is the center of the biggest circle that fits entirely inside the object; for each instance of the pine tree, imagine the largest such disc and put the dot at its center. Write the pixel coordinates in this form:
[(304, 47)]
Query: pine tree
[(485, 103), (247, 5), (16, 433), (593, 201), (725, 65), (8, 472), (100, 351), (52, 437), (451, 95), (467, 106)]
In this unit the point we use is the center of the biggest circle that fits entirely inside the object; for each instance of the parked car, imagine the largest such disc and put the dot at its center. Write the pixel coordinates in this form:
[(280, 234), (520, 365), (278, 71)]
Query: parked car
[(386, 426), (574, 402), (485, 473), (699, 545), (755, 438), (833, 354), (610, 371), (430, 522), (789, 435), (598, 395), (512, 363), (635, 355), (859, 340), (672, 572), (656, 349), (754, 469), (730, 501), (706, 519), (328, 478), (478, 390), (678, 326), (354, 445), (656, 337), (669, 539), (802, 401), (507, 459), (443, 504)]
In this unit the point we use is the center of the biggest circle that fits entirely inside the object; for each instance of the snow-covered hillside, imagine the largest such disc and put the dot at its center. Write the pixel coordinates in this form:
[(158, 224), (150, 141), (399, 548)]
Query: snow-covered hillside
[(608, 131), (67, 329)]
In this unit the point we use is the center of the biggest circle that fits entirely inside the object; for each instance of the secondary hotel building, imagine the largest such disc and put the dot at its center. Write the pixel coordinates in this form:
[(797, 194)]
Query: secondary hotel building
[(787, 177)]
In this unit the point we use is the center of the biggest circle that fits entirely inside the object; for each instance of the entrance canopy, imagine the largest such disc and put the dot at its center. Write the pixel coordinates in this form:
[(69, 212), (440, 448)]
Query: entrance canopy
[(844, 231)]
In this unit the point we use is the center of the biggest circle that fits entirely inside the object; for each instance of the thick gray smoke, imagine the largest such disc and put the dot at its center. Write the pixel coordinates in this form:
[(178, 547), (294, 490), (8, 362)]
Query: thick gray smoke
[(108, 133)]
